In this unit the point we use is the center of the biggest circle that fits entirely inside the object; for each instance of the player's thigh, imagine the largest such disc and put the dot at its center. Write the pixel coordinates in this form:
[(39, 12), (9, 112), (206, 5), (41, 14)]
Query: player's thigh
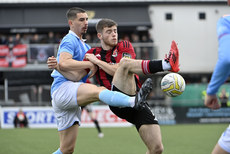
[(223, 145), (131, 65), (126, 84), (124, 80), (218, 150), (151, 134), (88, 93), (68, 138)]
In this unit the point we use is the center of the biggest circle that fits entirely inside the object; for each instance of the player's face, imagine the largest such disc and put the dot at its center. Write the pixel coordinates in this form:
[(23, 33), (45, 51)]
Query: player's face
[(80, 24), (110, 36)]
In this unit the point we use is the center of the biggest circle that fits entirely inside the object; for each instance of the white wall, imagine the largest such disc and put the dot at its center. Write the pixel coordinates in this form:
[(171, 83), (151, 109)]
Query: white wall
[(197, 39)]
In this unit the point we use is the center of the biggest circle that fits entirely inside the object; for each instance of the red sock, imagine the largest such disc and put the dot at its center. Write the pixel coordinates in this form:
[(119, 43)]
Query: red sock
[(145, 66), (151, 66)]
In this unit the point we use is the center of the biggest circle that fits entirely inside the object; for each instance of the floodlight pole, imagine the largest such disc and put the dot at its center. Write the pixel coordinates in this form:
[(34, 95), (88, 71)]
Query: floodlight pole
[(6, 89)]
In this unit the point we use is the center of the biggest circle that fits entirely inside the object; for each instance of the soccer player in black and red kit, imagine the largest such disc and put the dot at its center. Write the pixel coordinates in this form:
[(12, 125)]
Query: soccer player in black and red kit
[(113, 56), (117, 66)]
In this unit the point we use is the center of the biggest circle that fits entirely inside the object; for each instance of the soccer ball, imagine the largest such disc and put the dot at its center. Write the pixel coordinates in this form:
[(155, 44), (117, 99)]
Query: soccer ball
[(173, 84)]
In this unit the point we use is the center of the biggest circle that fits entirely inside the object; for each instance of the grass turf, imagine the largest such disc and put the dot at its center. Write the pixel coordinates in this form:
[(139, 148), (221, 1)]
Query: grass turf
[(177, 139)]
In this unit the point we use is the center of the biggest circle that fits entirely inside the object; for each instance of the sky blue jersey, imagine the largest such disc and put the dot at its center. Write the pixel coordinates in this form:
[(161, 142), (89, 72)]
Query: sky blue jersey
[(77, 48), (222, 68)]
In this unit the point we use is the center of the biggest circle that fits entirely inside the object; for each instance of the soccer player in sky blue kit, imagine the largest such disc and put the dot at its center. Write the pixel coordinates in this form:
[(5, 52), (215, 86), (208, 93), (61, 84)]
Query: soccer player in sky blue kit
[(219, 76), (68, 96), (118, 71)]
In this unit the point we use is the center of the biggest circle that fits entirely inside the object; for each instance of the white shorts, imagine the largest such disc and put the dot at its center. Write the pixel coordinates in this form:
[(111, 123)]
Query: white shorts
[(224, 140), (64, 102)]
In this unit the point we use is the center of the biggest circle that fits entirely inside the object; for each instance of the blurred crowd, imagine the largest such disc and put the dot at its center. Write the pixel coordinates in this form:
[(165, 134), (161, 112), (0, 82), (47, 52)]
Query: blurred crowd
[(51, 37), (54, 38), (132, 37), (146, 51)]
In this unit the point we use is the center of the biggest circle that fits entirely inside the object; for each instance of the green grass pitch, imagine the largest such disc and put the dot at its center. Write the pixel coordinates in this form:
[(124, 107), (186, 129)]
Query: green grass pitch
[(177, 139)]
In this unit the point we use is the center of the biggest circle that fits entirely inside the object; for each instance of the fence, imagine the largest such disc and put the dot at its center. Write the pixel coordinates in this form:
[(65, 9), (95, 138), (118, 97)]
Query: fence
[(30, 85)]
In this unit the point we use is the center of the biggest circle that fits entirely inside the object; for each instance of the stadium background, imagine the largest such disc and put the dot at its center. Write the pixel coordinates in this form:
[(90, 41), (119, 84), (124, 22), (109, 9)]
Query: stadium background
[(191, 23)]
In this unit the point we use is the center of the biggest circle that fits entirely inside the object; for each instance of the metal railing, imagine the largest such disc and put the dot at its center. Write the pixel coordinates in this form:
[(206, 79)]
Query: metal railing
[(37, 55)]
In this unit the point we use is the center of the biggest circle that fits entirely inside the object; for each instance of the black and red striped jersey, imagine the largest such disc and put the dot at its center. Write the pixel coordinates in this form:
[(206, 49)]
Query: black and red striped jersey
[(113, 56)]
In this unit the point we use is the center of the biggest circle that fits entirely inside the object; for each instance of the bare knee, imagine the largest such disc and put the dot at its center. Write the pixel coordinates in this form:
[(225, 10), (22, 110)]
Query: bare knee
[(125, 63), (101, 88), (68, 150), (86, 96), (156, 149), (96, 92)]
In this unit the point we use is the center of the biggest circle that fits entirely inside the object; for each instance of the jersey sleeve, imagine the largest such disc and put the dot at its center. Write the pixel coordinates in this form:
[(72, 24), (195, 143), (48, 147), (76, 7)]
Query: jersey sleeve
[(125, 49), (67, 46), (90, 51), (221, 71)]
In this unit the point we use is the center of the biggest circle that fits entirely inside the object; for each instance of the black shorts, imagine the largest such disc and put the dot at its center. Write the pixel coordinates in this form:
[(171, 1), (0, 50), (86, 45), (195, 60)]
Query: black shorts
[(137, 117)]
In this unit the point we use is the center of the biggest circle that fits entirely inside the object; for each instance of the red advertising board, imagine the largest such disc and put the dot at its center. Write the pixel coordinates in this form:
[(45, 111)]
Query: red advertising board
[(13, 57)]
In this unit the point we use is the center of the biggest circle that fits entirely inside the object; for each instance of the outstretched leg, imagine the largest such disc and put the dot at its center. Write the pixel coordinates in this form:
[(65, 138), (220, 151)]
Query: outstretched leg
[(124, 78)]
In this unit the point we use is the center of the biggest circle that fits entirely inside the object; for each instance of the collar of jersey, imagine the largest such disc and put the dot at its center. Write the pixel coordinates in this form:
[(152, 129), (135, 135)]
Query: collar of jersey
[(71, 32)]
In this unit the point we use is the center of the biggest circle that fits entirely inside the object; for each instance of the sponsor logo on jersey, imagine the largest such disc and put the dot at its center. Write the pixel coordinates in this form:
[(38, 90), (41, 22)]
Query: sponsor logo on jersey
[(98, 55), (126, 55), (114, 53)]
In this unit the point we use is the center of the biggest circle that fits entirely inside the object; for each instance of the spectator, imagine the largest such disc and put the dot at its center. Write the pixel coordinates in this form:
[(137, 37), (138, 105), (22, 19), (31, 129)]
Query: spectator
[(3, 39), (147, 52), (20, 120), (51, 38), (95, 38), (135, 38), (223, 96), (126, 37), (13, 41), (58, 37), (88, 38), (17, 39), (25, 39), (35, 39)]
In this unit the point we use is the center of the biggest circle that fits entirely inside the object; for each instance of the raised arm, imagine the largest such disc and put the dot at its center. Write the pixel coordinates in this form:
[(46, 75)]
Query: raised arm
[(74, 73), (108, 68)]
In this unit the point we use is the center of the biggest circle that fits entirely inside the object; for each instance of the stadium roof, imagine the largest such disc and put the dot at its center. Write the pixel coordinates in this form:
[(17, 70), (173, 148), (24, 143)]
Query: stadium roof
[(16, 15), (101, 1)]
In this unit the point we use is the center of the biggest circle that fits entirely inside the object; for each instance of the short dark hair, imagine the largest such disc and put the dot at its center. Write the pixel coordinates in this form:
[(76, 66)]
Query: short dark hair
[(72, 12), (104, 23)]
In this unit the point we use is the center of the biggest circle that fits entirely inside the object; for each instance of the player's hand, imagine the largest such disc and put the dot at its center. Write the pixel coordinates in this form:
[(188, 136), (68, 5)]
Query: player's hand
[(211, 102), (93, 70), (92, 58), (52, 62)]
